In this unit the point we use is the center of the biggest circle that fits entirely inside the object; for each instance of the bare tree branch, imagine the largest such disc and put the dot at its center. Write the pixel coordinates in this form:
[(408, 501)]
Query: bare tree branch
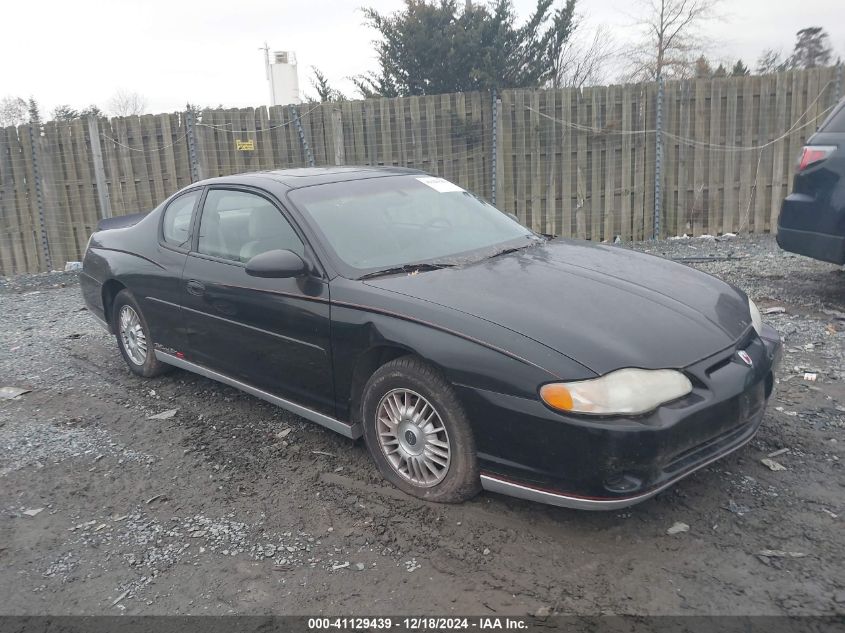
[(671, 41), (13, 111), (583, 61), (127, 103)]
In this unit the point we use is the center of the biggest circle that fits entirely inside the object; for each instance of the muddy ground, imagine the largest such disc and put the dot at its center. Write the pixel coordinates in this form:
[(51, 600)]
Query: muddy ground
[(234, 506)]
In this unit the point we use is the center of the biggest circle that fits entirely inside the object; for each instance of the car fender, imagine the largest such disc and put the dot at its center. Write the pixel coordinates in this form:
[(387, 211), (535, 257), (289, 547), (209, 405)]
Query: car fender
[(469, 352)]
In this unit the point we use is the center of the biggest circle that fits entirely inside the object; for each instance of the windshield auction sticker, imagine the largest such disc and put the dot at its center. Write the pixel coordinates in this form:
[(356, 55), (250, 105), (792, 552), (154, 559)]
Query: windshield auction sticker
[(439, 184)]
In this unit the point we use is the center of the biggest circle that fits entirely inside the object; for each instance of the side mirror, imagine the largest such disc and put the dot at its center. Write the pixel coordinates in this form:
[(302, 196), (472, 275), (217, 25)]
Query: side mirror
[(276, 264), (513, 217)]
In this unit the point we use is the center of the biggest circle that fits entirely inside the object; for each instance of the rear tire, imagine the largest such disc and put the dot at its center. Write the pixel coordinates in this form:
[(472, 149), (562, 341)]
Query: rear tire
[(417, 432), (133, 337)]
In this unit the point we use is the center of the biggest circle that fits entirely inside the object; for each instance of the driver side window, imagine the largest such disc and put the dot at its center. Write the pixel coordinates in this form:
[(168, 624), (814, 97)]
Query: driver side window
[(238, 225)]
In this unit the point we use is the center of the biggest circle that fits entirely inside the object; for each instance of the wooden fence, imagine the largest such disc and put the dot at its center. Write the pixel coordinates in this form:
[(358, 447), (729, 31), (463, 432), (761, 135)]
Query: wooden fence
[(580, 163)]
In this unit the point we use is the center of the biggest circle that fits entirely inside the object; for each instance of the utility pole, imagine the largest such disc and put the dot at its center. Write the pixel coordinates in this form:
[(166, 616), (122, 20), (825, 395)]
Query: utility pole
[(268, 72)]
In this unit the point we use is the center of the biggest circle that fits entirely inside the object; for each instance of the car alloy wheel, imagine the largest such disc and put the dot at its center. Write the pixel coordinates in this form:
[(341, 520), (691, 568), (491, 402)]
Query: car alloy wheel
[(132, 335), (413, 438)]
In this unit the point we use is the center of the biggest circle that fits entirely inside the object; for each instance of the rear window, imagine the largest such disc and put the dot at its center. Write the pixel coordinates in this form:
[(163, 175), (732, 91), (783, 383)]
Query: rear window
[(836, 122), (177, 219)]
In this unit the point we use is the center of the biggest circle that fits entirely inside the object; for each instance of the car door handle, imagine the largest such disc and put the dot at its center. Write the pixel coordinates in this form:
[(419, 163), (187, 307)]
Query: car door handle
[(195, 288)]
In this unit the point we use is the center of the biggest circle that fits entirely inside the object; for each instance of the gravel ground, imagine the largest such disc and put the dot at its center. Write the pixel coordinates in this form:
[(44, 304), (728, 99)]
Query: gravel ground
[(230, 505)]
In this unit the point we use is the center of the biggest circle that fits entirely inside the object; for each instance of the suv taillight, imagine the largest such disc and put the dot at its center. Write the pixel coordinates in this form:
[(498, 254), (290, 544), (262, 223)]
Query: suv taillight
[(812, 154)]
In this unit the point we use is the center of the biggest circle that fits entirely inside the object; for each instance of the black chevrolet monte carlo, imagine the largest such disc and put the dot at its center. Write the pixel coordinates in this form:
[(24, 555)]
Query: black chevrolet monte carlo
[(468, 351)]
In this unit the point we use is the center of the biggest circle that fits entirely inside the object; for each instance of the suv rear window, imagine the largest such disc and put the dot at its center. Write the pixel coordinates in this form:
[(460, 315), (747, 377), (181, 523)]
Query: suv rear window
[(836, 122)]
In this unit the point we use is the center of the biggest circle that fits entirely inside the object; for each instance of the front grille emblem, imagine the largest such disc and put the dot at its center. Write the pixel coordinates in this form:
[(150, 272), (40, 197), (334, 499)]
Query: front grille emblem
[(745, 358)]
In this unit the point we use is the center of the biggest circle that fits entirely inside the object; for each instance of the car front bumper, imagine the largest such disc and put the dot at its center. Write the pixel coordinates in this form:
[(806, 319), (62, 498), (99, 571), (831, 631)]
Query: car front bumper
[(527, 450)]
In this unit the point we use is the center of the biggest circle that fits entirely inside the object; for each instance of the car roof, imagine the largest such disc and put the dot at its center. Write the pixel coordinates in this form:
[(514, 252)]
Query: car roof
[(310, 176)]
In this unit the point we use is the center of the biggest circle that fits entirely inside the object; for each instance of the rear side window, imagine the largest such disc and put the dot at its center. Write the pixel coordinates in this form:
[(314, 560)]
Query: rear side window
[(177, 219), (836, 122), (239, 225)]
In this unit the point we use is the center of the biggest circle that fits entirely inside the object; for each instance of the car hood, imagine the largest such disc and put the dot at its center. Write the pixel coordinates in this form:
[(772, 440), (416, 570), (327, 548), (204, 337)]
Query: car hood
[(605, 307)]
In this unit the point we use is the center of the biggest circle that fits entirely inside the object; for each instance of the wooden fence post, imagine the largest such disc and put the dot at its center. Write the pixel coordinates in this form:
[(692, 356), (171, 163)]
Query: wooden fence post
[(99, 171)]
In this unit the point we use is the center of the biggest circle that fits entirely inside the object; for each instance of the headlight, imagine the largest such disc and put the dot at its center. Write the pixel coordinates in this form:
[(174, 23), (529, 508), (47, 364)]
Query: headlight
[(756, 319), (625, 391)]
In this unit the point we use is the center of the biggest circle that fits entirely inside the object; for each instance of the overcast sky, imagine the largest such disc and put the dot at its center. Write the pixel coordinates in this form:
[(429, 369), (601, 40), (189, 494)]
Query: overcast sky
[(207, 53)]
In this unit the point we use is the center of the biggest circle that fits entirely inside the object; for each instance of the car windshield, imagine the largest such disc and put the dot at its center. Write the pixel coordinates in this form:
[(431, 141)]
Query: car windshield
[(385, 223)]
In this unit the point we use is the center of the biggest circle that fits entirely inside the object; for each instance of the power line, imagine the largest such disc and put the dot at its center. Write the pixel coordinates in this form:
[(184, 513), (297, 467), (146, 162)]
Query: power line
[(220, 128)]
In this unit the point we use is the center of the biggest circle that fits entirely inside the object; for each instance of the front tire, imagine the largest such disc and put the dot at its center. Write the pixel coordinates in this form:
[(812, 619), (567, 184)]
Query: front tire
[(133, 337), (417, 432)]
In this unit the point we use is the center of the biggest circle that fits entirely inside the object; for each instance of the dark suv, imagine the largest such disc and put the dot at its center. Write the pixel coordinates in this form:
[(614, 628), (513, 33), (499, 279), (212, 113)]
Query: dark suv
[(812, 218)]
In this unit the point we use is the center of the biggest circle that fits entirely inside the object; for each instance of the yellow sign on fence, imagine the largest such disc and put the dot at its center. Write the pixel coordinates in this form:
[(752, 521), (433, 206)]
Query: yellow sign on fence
[(245, 146)]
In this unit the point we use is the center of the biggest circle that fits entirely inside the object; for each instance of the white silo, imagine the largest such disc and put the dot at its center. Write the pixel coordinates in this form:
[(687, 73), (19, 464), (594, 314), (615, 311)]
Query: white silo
[(282, 76)]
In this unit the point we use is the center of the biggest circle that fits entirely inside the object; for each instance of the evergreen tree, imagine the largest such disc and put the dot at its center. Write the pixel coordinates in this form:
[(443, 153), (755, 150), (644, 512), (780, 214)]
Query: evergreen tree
[(433, 47), (91, 110), (65, 113), (325, 92), (34, 112), (703, 69), (770, 62), (740, 69), (812, 48)]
